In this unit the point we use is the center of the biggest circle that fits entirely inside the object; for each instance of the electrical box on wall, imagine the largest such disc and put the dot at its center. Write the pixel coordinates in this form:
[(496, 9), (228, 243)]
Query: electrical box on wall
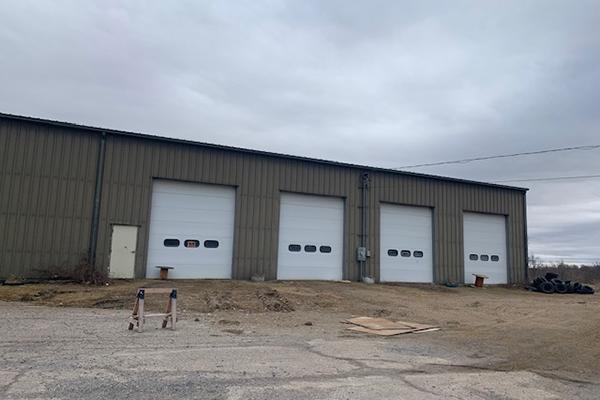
[(362, 253)]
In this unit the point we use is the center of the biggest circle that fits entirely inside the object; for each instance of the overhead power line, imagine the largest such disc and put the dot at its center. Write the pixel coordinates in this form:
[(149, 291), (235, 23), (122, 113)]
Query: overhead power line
[(528, 153), (553, 258), (543, 179), (551, 178)]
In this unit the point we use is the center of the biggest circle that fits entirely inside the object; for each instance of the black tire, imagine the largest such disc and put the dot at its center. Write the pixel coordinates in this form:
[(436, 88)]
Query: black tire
[(576, 286), (551, 275), (570, 288), (537, 281), (547, 287), (591, 290), (584, 289), (560, 287)]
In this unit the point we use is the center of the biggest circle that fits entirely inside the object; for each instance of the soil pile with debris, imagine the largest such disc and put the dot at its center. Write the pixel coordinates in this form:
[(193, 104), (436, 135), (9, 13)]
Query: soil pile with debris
[(272, 300)]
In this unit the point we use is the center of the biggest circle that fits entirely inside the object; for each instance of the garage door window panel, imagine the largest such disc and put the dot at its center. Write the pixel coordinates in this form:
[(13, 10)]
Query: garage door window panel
[(309, 248), (191, 243), (211, 244), (171, 242), (325, 249)]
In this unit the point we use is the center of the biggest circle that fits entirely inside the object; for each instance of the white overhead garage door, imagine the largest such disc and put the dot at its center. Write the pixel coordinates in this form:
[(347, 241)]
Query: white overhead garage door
[(485, 247), (311, 231), (406, 244), (191, 229)]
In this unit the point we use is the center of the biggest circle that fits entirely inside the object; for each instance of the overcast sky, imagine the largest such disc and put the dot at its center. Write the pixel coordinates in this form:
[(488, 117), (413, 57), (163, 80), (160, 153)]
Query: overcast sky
[(384, 83)]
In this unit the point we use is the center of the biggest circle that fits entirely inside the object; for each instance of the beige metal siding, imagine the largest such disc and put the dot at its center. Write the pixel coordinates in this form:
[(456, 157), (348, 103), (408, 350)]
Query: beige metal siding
[(49, 172), (46, 189)]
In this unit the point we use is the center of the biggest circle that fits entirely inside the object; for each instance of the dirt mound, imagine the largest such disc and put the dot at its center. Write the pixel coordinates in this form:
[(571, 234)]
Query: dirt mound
[(272, 300), (220, 301)]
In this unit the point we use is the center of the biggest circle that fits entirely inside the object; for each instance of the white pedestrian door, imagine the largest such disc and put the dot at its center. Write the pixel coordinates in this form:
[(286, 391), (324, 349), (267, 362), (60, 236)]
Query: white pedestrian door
[(311, 237), (406, 244), (122, 251), (485, 247)]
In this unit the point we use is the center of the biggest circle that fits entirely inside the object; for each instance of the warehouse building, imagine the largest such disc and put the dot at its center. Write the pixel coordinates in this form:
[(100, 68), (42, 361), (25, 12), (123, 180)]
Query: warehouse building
[(128, 202)]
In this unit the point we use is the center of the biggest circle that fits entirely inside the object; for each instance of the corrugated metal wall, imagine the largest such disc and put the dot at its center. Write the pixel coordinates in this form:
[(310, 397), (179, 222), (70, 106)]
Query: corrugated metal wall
[(47, 177), (132, 163), (449, 200)]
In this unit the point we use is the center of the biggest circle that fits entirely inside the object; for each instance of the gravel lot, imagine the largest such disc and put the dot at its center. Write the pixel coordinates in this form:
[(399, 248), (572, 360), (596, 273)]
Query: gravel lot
[(74, 353)]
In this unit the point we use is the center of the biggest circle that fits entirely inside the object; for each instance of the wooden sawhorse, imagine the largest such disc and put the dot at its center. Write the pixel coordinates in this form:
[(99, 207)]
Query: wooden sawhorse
[(138, 317)]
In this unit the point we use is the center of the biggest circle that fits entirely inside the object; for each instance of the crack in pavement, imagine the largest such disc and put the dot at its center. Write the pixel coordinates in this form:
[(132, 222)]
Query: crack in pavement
[(553, 376), (545, 374), (414, 386), (14, 380)]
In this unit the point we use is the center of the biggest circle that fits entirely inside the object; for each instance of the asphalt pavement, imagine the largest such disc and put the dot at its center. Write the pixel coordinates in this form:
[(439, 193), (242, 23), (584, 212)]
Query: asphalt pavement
[(69, 353)]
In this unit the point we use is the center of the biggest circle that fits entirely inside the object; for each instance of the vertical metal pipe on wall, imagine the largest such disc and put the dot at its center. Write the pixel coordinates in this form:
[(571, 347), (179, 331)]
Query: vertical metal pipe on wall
[(364, 225), (97, 197)]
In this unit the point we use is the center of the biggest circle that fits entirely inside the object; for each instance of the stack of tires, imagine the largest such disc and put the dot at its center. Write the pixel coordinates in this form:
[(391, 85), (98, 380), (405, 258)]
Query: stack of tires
[(551, 284)]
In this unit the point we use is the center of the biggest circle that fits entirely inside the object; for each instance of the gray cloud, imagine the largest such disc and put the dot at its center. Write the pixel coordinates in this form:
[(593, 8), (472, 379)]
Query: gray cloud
[(379, 82)]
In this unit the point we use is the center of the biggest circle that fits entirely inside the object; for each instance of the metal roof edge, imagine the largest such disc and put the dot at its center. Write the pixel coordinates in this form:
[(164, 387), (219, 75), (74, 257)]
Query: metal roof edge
[(252, 151)]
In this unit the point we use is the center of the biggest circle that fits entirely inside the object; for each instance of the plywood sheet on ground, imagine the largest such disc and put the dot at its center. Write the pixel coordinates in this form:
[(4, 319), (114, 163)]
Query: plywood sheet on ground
[(416, 325), (385, 327), (377, 323), (380, 332)]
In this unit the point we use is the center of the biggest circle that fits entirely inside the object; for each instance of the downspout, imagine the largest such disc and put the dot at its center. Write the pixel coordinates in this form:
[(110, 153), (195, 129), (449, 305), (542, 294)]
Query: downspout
[(93, 245), (364, 225), (526, 238)]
